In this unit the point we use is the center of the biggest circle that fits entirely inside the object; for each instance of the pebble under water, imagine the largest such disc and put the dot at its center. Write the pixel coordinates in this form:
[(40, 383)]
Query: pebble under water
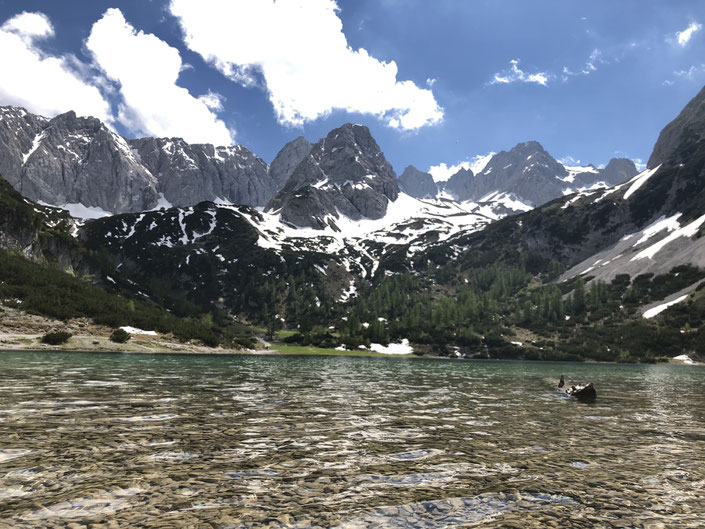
[(106, 441)]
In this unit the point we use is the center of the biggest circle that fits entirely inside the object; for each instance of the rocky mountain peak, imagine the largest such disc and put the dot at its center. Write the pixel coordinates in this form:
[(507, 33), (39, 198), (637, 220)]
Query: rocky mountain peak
[(286, 161), (345, 173), (78, 160), (459, 186), (417, 183), (527, 170), (618, 170), (352, 145), (528, 148)]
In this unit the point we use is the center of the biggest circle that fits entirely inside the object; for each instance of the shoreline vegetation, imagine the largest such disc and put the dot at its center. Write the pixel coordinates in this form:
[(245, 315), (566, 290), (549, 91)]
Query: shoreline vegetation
[(20, 331), (23, 331), (158, 345), (99, 344)]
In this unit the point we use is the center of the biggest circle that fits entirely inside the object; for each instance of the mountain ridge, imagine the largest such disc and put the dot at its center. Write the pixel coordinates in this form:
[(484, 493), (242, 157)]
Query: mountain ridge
[(78, 163)]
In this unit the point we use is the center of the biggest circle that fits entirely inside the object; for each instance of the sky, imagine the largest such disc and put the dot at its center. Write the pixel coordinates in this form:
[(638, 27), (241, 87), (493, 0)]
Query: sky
[(440, 84)]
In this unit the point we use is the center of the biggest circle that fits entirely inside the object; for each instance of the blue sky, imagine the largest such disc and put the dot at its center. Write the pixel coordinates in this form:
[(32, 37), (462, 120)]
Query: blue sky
[(437, 82)]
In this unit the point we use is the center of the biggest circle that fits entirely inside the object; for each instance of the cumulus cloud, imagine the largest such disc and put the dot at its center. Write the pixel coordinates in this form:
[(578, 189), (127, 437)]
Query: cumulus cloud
[(515, 74), (43, 83), (442, 172), (297, 51), (683, 37), (146, 70)]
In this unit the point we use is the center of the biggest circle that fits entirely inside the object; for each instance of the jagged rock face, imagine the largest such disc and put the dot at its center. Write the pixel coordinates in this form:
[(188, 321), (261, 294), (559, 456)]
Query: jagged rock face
[(618, 170), (191, 173), (460, 185), (18, 128), (688, 127), (534, 176), (527, 171), (71, 160), (286, 161), (344, 174), (417, 183), (78, 160)]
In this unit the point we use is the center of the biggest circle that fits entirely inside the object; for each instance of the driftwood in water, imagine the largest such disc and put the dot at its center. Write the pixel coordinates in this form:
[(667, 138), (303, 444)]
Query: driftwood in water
[(584, 393)]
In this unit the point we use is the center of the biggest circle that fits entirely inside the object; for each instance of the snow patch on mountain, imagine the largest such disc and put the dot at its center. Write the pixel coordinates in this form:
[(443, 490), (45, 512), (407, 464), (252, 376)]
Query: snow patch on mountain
[(575, 170), (79, 211), (36, 143), (508, 200), (687, 231), (669, 224), (638, 181), (655, 311)]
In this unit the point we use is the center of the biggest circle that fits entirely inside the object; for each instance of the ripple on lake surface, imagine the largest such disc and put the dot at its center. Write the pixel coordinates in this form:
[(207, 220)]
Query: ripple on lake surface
[(354, 443)]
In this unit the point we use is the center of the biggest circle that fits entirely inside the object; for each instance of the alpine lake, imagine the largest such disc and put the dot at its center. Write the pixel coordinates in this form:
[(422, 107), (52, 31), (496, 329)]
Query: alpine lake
[(162, 441)]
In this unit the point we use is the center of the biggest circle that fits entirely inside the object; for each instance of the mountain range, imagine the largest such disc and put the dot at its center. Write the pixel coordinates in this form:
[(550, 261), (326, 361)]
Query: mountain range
[(327, 235), (80, 164)]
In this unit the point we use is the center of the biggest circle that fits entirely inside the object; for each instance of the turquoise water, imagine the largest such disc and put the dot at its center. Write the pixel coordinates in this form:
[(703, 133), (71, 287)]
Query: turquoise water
[(308, 442)]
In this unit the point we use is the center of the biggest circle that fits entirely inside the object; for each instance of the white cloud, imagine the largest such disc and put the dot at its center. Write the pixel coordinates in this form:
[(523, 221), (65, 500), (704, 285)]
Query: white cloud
[(682, 37), (147, 69), (213, 100), (298, 50), (515, 74), (569, 160), (596, 58), (479, 161), (691, 72), (30, 26), (442, 172), (43, 83)]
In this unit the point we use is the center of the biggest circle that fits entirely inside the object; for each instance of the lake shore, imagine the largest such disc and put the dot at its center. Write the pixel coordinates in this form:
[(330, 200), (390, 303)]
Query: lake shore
[(162, 344), (20, 331), (151, 345)]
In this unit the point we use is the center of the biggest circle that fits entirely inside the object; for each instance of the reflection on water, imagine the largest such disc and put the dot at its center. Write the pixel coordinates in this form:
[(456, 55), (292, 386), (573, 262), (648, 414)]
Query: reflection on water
[(283, 442)]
